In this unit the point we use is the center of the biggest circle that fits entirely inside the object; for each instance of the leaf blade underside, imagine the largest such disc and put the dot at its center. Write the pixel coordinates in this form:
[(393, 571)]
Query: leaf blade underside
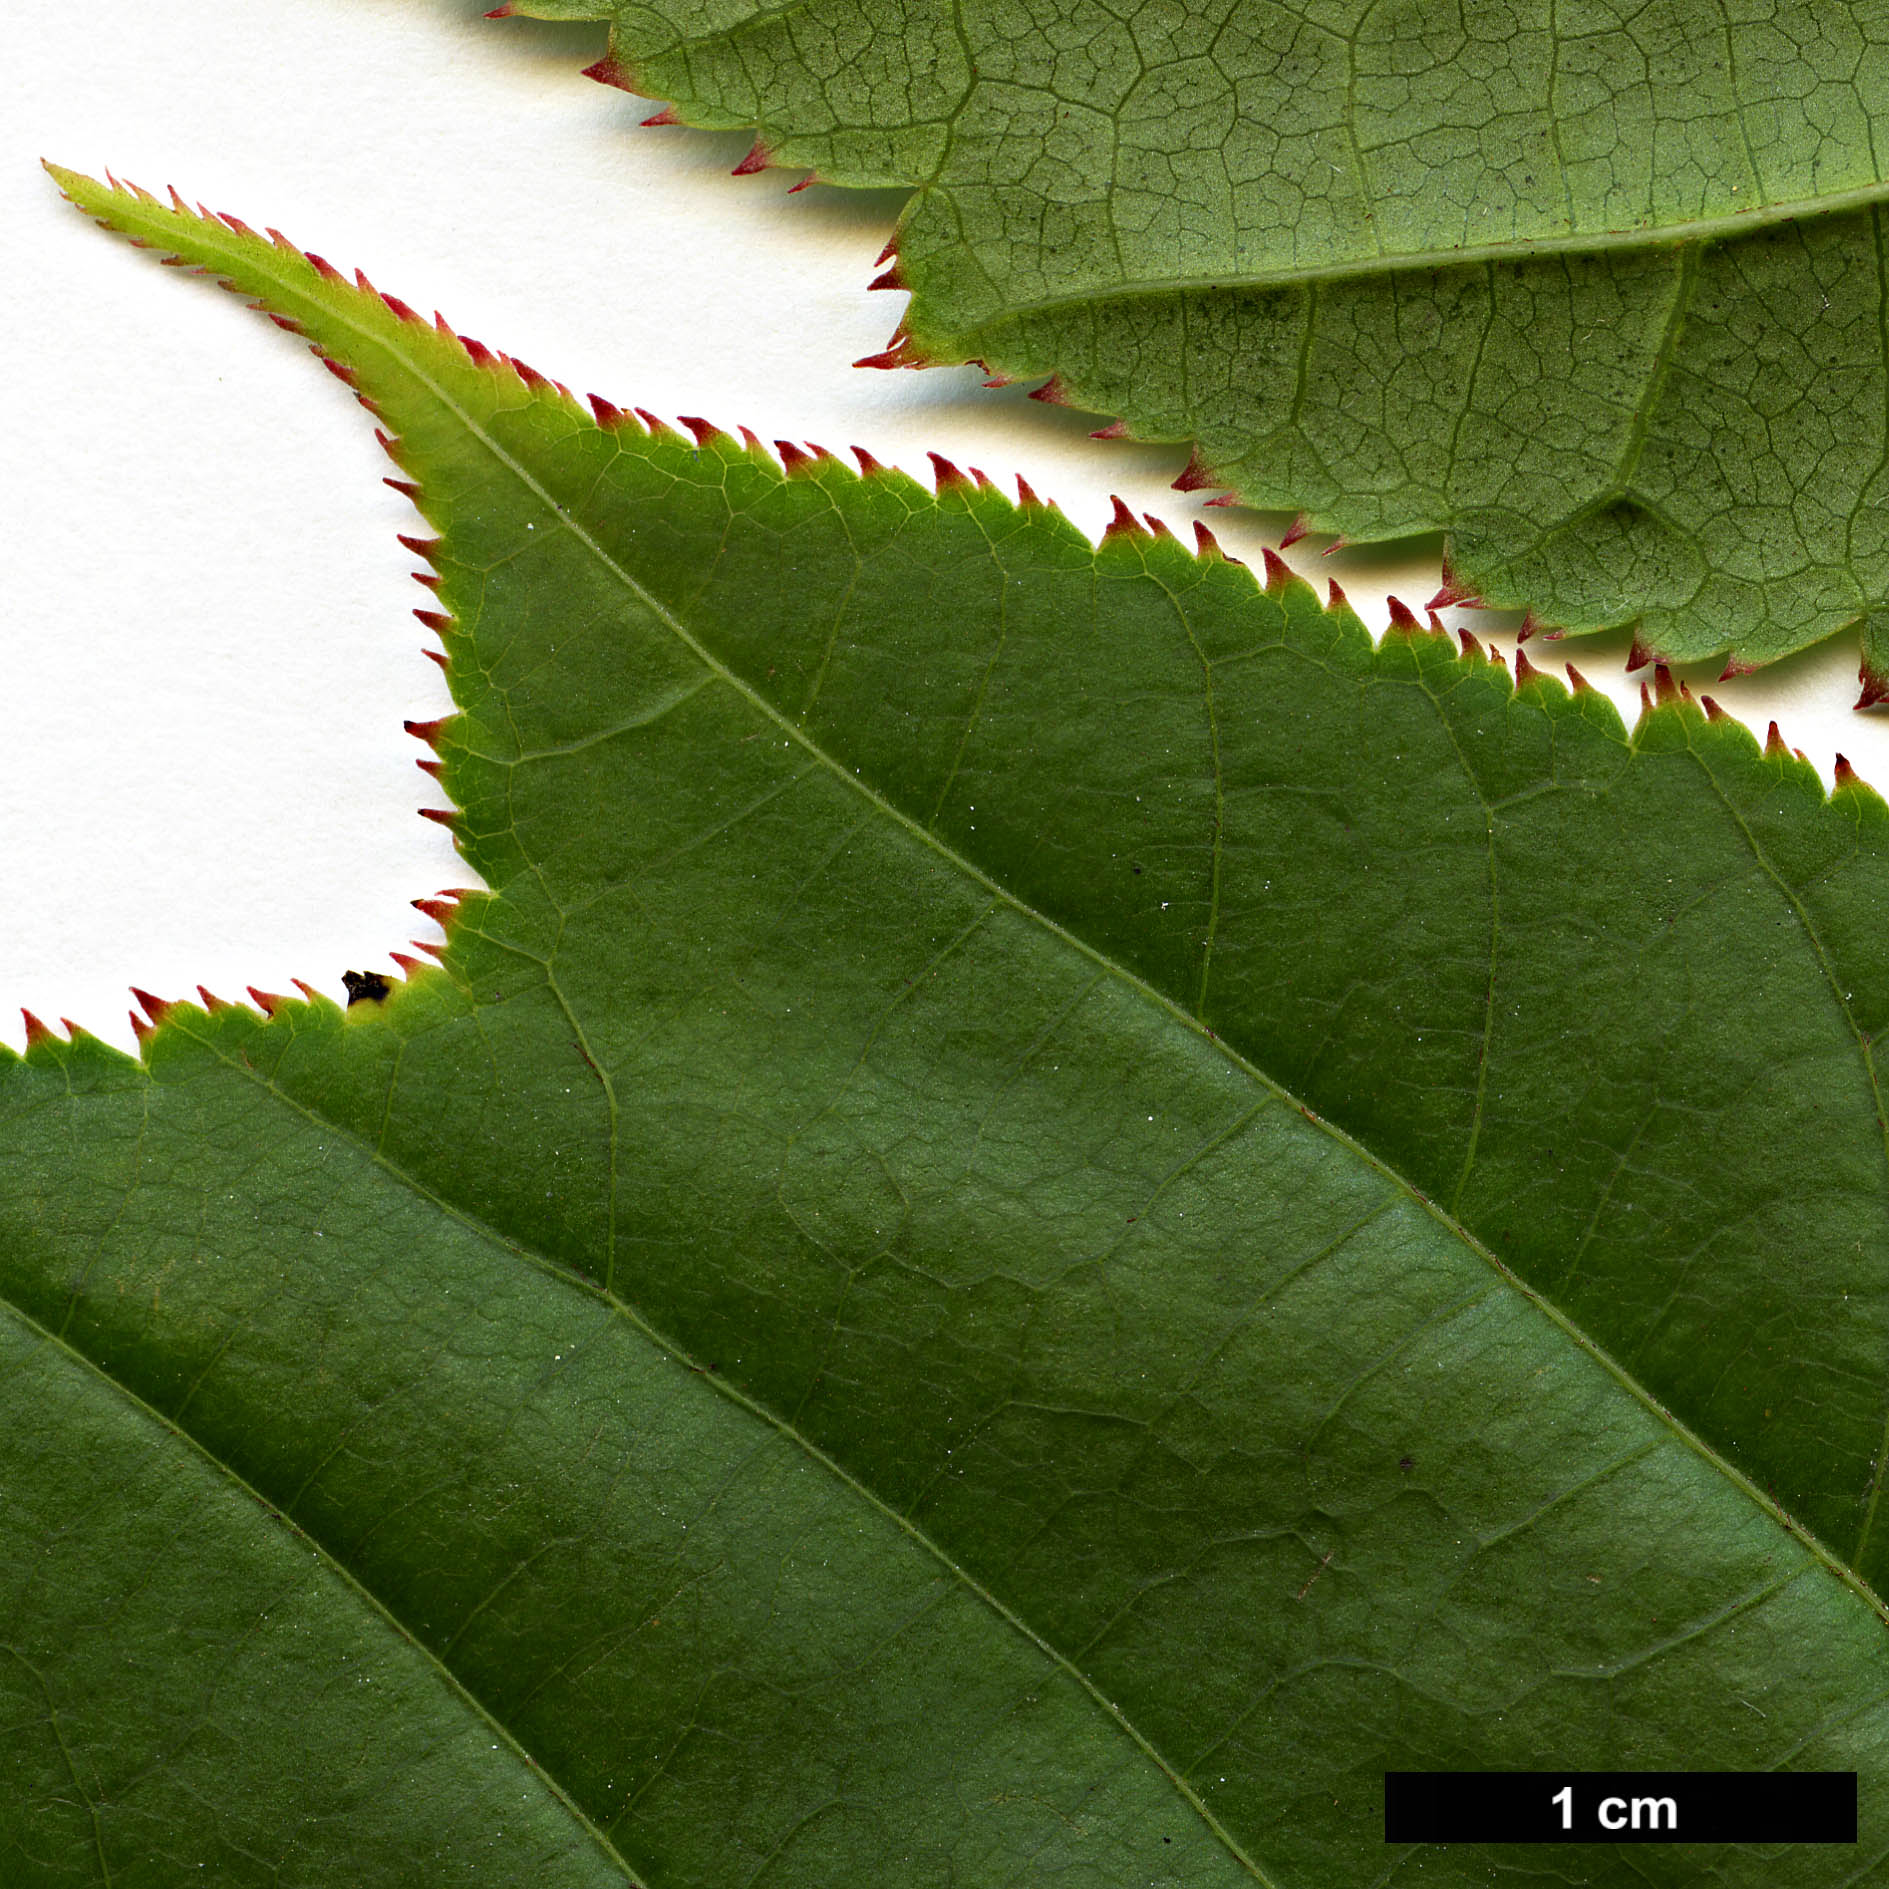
[(998, 1083), (1600, 295)]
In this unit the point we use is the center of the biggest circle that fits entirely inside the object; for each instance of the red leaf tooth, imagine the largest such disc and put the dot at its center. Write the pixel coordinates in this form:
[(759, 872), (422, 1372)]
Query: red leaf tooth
[(902, 353), (1116, 429), (756, 160), (868, 465), (1402, 619), (478, 353), (1847, 776), (982, 479), (37, 1033), (324, 268), (340, 372), (309, 992), (1278, 571), (1527, 628), (806, 183), (212, 1002), (749, 438), (888, 252), (1053, 392), (529, 375), (427, 731), (1646, 701), (501, 13), (281, 242), (606, 413), (1335, 598), (1229, 498), (420, 547), (408, 964), (441, 911), (436, 620), (1206, 545), (431, 579), (1712, 710), (945, 474), (361, 282), (405, 487), (154, 1007), (447, 817), (1195, 476), (1640, 655), (1452, 593), (286, 322), (1436, 625), (139, 1028), (177, 202), (705, 430), (1734, 669), (891, 279), (1663, 684), (1496, 657), (608, 71), (432, 950), (1124, 524), (999, 380), (1026, 492), (1294, 532), (1685, 694), (1469, 644), (433, 655), (433, 770), (659, 427), (1336, 545), (1578, 682), (792, 458), (667, 116), (1157, 528), (405, 313), (267, 1001), (1525, 671)]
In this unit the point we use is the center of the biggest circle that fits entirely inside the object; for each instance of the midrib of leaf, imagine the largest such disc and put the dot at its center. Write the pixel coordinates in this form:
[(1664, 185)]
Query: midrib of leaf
[(1513, 249), (175, 1426)]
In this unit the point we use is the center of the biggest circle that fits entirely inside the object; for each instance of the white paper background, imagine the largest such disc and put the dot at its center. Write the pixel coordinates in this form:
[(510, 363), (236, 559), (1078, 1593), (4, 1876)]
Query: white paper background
[(204, 637)]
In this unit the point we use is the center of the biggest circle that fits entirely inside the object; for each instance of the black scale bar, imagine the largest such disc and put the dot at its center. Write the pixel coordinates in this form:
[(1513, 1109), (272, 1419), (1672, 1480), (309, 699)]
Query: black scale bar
[(1620, 1807)]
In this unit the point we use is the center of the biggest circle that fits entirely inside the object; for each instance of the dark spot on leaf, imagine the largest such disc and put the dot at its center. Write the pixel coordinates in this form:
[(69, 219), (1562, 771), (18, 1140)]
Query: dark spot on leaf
[(1406, 1462), (365, 987)]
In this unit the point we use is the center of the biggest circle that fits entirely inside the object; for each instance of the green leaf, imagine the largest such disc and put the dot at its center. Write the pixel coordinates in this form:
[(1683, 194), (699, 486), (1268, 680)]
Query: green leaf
[(1050, 1212), (1598, 290)]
